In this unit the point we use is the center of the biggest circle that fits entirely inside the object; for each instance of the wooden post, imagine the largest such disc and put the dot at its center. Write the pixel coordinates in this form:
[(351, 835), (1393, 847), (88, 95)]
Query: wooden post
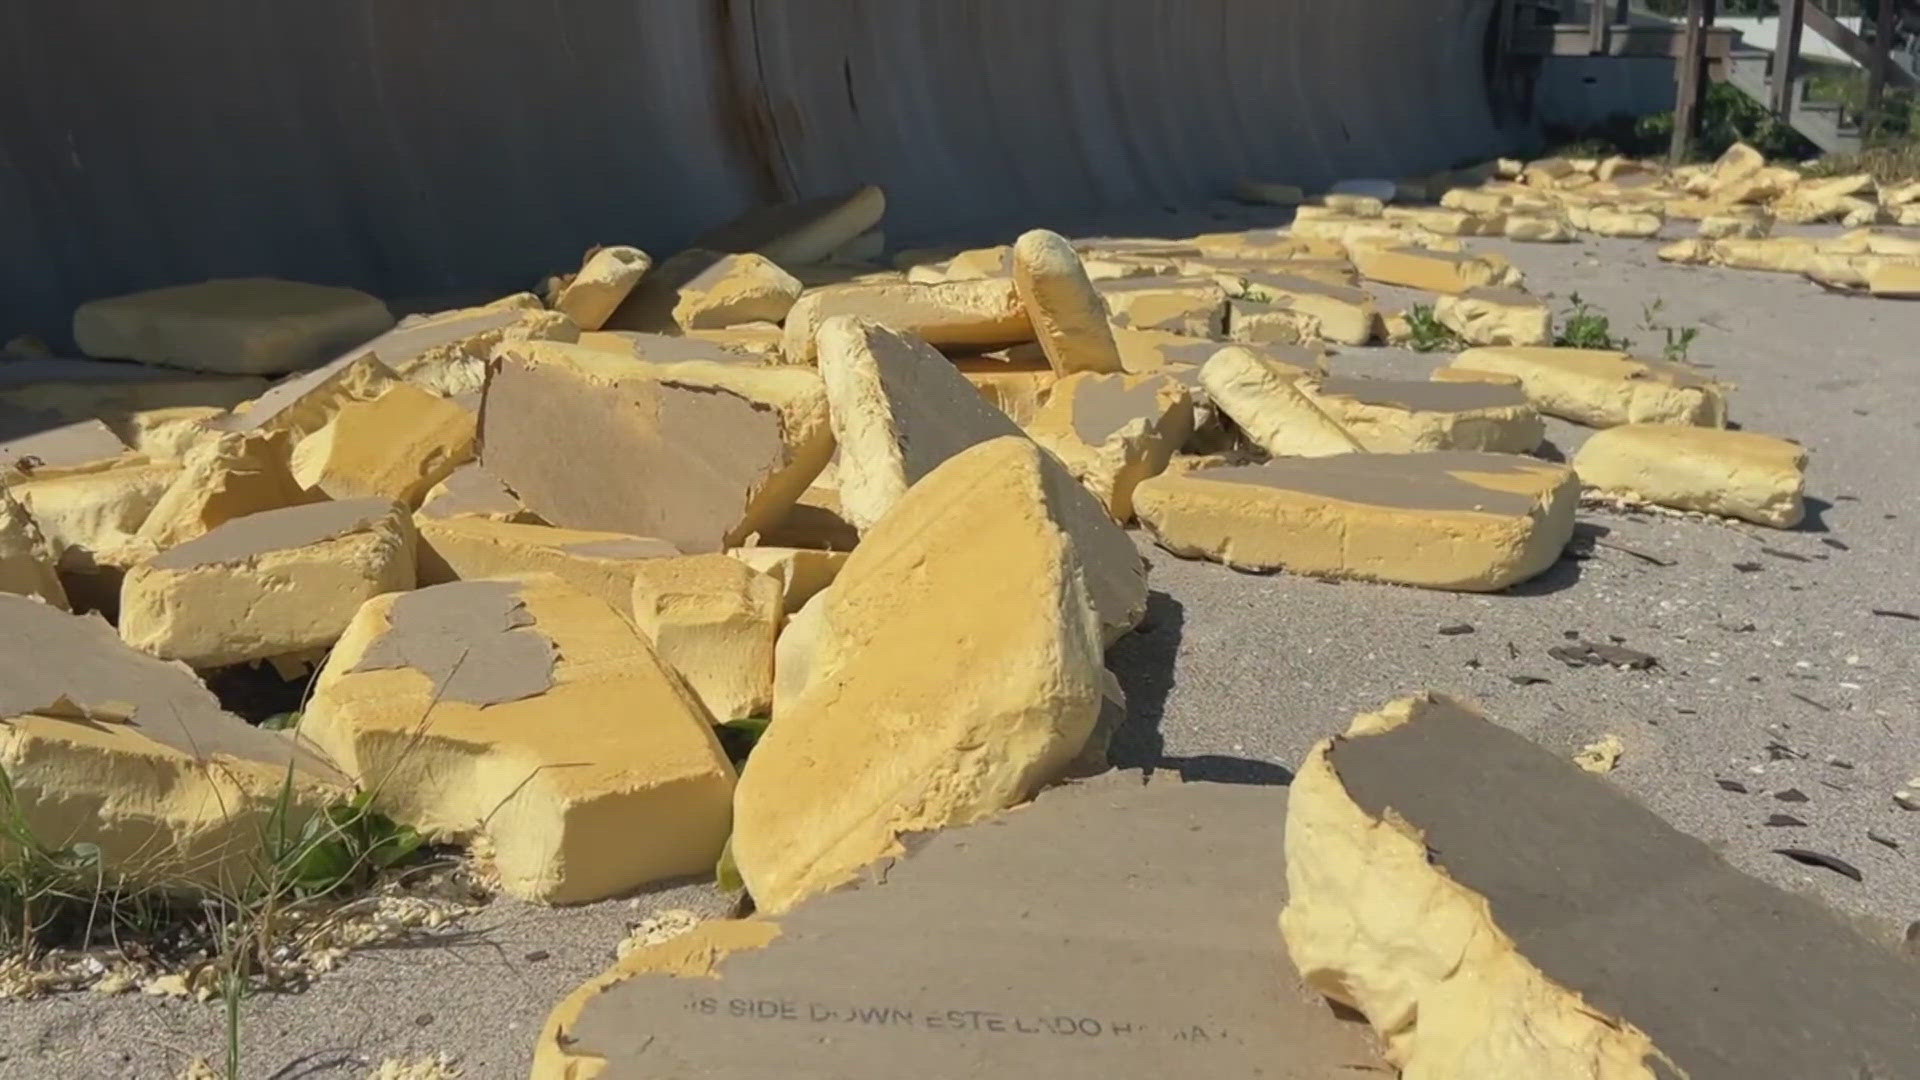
[(1503, 16), (1599, 27), (1882, 46), (1686, 105), (1704, 83), (1786, 55)]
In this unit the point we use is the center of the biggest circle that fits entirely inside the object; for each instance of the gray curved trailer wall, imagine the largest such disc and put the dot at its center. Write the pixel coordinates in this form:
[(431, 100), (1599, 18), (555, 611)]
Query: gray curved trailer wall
[(429, 146)]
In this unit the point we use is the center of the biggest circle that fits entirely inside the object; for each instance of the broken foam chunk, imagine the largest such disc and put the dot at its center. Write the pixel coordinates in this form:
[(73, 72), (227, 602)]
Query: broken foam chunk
[(1494, 911)]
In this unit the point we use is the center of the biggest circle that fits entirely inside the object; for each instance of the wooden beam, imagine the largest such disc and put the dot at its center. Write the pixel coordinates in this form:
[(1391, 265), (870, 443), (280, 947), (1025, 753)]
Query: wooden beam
[(1850, 43), (1686, 106), (1572, 39), (1708, 12), (1599, 27), (1882, 45), (1786, 56)]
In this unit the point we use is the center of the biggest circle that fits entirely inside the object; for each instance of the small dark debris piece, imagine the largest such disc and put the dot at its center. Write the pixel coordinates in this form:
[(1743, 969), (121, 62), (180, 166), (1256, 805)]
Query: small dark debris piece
[(1456, 629), (1810, 701), (1779, 751), (1643, 556), (1790, 556), (1570, 635), (1620, 656), (1883, 839), (1792, 794), (1748, 567), (1785, 821), (423, 1020), (1687, 712), (1474, 663), (1820, 859), (1840, 763), (1602, 654), (1738, 628), (1889, 613), (1734, 786), (1846, 498), (1837, 545), (537, 955), (1527, 680)]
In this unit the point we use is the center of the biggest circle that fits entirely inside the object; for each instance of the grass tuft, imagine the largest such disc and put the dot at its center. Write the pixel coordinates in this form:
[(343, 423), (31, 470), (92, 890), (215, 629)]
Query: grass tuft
[(1429, 334)]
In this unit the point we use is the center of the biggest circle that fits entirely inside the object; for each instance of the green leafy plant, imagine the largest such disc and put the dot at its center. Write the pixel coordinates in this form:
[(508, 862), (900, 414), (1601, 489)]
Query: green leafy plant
[(1726, 117), (1679, 339), (303, 869), (342, 847), (38, 883), (1586, 328), (1429, 334)]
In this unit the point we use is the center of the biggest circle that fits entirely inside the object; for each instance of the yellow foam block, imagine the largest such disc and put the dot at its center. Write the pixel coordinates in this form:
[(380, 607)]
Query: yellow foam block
[(1739, 474), (896, 731), (531, 715), (1602, 388), (1459, 520), (469, 547), (268, 584), (713, 619)]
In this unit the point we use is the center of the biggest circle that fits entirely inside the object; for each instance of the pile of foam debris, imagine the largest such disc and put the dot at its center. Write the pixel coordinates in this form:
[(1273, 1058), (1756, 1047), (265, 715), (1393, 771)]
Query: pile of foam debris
[(545, 559), (1732, 206)]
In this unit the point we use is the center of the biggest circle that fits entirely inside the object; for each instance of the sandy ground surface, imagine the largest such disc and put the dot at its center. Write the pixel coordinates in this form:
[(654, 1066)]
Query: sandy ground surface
[(1778, 679)]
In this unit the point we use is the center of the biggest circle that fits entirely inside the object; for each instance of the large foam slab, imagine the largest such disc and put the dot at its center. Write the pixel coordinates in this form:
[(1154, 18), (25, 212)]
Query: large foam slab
[(1068, 946), (1495, 911)]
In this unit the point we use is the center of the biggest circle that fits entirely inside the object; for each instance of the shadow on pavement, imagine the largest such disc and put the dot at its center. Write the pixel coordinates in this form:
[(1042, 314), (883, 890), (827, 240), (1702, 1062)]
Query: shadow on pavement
[(1143, 662)]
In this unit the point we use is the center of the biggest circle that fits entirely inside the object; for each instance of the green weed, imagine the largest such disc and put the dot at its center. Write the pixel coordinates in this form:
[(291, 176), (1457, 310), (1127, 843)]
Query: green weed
[(1678, 339), (1429, 334), (1586, 328)]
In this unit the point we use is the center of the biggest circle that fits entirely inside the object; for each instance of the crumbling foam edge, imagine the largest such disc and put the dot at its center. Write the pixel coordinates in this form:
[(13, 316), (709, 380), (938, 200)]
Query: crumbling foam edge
[(1371, 924), (695, 954)]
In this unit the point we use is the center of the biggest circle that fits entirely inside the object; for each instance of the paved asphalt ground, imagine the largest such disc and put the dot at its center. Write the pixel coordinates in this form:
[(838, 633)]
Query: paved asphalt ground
[(1779, 678)]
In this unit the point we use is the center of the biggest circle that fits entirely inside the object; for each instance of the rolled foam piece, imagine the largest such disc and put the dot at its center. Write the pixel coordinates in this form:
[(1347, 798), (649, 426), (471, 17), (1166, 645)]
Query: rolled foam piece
[(1262, 398), (1068, 314)]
